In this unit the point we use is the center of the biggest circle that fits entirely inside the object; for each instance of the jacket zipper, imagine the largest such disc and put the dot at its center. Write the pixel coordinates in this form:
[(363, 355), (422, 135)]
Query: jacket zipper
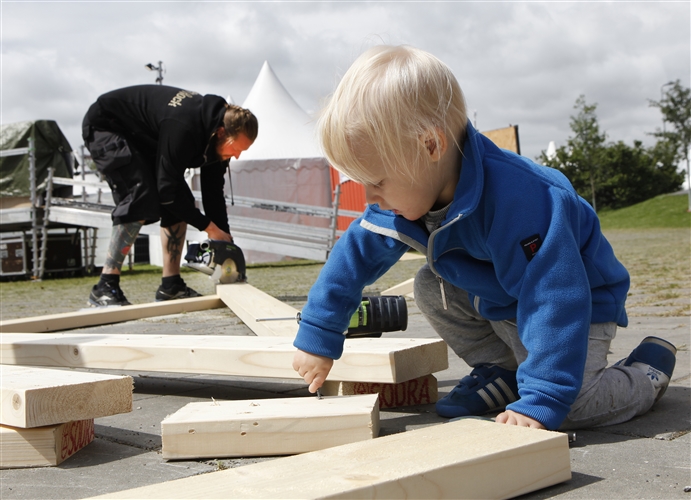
[(430, 260), (443, 293)]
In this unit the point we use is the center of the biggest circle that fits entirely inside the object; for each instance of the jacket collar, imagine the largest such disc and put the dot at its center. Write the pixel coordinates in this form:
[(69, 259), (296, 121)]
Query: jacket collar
[(471, 181), (466, 197)]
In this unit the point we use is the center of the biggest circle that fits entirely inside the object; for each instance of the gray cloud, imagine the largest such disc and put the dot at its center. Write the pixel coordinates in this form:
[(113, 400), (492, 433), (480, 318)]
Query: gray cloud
[(519, 63)]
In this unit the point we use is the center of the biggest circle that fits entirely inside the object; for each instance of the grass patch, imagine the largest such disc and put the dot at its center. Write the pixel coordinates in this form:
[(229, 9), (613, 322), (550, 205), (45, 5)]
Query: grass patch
[(658, 260), (660, 268), (665, 211)]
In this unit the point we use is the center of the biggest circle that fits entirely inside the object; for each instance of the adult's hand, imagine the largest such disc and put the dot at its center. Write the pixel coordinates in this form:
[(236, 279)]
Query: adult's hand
[(312, 368), (217, 234)]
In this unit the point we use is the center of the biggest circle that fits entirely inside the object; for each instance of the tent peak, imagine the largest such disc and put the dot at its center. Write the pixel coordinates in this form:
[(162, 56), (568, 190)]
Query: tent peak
[(285, 129)]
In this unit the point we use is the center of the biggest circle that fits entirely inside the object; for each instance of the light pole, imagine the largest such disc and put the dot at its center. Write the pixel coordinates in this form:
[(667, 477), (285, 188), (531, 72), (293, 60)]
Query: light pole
[(158, 68)]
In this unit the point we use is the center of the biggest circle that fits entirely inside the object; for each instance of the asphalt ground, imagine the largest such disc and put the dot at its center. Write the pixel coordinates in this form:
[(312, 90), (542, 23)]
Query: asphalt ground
[(647, 457)]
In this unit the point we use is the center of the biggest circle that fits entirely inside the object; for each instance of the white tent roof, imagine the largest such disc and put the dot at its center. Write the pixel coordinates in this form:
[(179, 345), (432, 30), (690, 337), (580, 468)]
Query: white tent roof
[(285, 130)]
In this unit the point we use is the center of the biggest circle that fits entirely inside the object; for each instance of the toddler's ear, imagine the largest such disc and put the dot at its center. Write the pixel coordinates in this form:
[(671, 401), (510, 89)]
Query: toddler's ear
[(435, 143)]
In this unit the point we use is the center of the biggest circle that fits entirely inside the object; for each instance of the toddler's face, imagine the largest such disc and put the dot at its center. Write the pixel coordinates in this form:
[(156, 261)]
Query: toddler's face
[(409, 198)]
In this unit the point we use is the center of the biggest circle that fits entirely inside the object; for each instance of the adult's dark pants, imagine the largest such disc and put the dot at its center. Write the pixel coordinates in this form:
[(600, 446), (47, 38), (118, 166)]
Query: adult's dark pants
[(131, 177)]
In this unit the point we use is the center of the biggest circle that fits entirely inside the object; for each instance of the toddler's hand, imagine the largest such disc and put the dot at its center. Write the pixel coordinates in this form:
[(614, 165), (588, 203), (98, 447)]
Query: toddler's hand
[(312, 368), (513, 418)]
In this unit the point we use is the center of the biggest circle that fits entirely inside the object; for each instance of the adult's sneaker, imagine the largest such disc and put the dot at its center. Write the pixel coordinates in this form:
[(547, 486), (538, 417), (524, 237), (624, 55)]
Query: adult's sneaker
[(487, 388), (177, 291), (103, 295), (656, 358)]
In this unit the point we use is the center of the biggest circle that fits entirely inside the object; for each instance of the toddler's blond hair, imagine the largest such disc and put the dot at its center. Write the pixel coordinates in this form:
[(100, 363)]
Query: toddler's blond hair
[(390, 98)]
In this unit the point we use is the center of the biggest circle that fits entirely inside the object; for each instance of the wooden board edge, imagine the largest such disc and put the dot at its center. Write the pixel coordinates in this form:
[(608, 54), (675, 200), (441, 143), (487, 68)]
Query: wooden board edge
[(183, 437), (62, 440), (417, 391), (403, 288), (108, 315), (260, 328), (79, 351), (115, 398), (408, 364), (412, 256)]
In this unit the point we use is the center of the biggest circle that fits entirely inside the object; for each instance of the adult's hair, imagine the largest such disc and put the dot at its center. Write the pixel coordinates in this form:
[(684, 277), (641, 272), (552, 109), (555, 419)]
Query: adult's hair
[(238, 120), (389, 100)]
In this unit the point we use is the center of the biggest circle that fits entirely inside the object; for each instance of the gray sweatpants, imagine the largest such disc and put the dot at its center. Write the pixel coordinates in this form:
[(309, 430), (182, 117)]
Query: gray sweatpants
[(608, 395)]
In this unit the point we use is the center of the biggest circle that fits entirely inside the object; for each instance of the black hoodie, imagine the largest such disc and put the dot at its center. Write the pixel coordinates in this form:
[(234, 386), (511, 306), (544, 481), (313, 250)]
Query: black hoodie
[(174, 128)]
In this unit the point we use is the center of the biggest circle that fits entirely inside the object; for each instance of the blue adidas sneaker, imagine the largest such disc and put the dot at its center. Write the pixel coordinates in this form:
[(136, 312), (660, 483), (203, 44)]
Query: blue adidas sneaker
[(487, 388), (656, 358)]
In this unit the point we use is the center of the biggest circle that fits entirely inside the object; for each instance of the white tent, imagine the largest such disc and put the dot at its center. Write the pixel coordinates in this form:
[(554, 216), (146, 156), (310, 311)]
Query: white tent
[(285, 163), (285, 130)]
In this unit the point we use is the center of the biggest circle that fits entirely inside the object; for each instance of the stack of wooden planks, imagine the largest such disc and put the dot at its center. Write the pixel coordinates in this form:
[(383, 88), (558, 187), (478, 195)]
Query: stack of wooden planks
[(48, 415), (399, 370), (392, 371)]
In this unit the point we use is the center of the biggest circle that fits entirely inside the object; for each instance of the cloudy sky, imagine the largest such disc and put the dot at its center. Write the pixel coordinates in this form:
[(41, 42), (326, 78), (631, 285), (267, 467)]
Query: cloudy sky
[(518, 62)]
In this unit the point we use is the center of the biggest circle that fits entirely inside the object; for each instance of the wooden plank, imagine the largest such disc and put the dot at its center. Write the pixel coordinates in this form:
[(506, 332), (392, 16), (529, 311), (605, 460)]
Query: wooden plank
[(417, 391), (268, 427), (106, 315), (43, 446), (386, 360), (467, 458), (412, 256), (250, 303), (404, 288), (34, 397)]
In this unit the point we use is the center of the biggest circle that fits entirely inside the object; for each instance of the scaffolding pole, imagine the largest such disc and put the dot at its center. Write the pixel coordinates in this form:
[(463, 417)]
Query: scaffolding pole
[(34, 206), (334, 219), (44, 230)]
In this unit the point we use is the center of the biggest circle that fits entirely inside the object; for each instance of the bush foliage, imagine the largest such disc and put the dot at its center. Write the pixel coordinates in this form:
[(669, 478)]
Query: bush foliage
[(612, 175)]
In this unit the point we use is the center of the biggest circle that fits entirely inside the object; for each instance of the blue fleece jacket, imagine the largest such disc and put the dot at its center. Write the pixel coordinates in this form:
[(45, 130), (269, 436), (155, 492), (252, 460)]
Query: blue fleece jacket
[(523, 245)]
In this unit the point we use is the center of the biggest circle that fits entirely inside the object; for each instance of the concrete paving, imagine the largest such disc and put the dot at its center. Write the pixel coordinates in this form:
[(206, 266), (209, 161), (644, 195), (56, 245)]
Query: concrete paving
[(648, 457)]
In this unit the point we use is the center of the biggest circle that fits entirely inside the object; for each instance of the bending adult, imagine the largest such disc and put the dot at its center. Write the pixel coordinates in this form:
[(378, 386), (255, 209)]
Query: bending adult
[(142, 139)]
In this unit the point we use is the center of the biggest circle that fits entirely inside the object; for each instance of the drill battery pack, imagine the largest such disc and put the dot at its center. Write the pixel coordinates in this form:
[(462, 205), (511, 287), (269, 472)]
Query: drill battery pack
[(376, 315)]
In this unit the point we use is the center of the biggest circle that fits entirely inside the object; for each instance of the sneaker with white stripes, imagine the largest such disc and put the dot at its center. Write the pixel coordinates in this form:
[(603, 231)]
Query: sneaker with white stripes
[(656, 358), (487, 388)]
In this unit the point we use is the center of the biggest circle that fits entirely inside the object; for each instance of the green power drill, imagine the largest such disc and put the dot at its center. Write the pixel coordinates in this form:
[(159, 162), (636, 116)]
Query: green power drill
[(374, 315)]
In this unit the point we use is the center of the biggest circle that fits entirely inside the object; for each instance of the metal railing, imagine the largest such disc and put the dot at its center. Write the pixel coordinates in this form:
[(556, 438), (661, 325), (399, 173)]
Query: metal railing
[(36, 274), (302, 235)]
